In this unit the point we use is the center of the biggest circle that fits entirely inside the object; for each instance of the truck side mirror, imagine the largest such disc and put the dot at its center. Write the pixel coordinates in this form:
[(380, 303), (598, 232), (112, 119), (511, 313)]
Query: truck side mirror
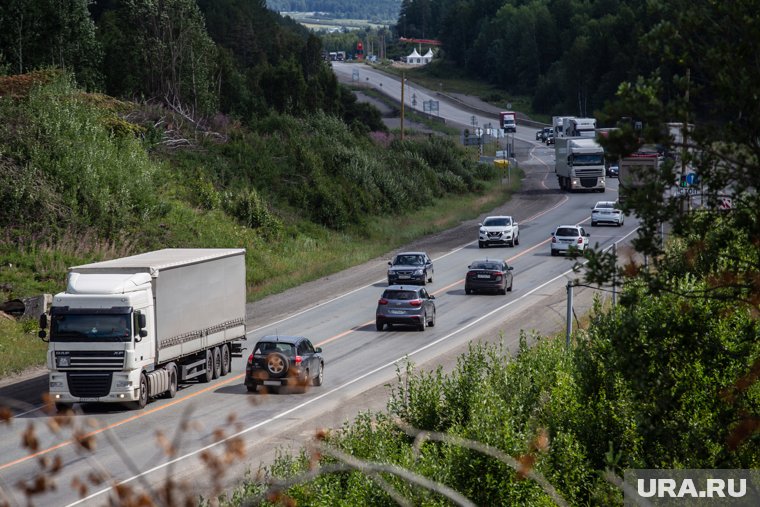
[(569, 160), (143, 333), (43, 325), (141, 321)]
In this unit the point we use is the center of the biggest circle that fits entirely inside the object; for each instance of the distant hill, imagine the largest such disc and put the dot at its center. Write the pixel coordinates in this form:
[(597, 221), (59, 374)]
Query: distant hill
[(379, 10)]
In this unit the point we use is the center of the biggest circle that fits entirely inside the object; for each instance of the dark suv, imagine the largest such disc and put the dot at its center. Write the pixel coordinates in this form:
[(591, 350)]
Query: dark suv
[(410, 267), (279, 361), (407, 305)]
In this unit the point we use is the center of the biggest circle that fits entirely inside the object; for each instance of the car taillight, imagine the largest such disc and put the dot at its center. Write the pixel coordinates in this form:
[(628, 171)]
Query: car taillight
[(299, 359), (382, 301), (498, 275), (580, 240), (470, 273), (250, 359), (415, 302)]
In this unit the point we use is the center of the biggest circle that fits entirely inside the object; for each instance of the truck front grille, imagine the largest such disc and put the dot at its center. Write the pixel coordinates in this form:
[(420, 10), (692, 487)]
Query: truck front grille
[(96, 360), (89, 385)]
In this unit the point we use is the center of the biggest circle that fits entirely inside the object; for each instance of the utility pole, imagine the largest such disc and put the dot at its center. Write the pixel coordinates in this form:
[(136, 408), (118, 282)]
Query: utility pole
[(402, 105), (569, 330)]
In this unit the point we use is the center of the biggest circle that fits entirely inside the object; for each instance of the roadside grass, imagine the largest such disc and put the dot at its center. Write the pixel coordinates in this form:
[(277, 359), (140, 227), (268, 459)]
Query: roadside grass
[(20, 348)]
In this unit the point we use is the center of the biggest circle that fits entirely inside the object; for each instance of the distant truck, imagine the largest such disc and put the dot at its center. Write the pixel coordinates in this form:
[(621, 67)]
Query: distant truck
[(129, 329), (635, 170), (558, 124), (580, 127), (507, 121), (579, 164)]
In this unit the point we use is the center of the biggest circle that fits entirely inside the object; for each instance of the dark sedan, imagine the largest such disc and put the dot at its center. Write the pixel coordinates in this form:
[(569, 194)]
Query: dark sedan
[(279, 361), (488, 275)]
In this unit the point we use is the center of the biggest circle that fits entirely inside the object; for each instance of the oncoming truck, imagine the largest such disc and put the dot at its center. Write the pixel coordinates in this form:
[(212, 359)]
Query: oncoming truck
[(579, 164), (507, 121), (129, 329), (635, 170)]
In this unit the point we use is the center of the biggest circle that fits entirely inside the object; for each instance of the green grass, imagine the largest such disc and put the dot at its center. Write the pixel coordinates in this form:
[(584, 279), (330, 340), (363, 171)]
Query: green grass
[(20, 348)]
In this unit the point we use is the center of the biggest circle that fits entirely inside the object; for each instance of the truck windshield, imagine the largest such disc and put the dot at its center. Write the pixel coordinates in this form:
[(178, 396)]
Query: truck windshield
[(90, 327), (588, 159)]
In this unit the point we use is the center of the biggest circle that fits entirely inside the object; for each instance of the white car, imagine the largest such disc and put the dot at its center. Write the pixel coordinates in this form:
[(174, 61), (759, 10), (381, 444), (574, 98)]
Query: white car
[(498, 230), (606, 212), (567, 237)]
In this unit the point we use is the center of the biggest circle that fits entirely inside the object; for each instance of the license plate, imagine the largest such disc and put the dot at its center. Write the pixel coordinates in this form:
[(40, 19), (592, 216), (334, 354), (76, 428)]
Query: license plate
[(397, 312), (83, 400), (484, 276), (272, 383), (403, 277)]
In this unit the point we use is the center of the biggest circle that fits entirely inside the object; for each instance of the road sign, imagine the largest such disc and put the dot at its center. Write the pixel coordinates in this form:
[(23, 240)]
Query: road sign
[(692, 178)]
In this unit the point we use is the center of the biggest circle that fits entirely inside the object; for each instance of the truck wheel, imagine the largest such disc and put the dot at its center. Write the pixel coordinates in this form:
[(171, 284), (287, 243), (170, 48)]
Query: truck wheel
[(208, 375), (217, 362), (172, 392), (62, 407), (143, 399), (226, 360)]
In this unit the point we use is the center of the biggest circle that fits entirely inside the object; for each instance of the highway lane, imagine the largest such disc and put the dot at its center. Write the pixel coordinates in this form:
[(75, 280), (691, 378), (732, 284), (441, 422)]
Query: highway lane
[(357, 357), (364, 75)]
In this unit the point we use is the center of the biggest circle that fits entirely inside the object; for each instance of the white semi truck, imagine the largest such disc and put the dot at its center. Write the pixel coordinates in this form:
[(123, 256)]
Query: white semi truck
[(129, 329), (579, 164), (580, 127), (558, 124)]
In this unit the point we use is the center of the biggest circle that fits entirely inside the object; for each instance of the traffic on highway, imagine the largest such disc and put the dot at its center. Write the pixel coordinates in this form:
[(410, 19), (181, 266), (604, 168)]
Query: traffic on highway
[(353, 342)]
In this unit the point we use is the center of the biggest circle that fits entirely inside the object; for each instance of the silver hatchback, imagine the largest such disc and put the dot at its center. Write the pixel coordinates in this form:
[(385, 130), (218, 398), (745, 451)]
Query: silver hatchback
[(405, 305)]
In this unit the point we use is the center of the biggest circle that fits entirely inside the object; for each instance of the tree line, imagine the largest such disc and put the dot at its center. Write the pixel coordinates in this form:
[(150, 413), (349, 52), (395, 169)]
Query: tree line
[(384, 10), (203, 57)]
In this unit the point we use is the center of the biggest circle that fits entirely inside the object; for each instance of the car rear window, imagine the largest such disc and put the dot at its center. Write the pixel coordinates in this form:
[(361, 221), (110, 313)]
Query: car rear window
[(567, 231), (400, 294), (486, 265), (604, 205), (267, 347)]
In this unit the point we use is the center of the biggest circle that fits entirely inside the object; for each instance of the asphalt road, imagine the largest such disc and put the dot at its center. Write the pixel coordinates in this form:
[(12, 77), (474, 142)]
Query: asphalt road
[(337, 313)]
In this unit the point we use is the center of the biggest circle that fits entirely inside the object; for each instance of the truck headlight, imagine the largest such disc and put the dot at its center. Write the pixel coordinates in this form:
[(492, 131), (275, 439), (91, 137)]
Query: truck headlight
[(56, 384), (121, 384)]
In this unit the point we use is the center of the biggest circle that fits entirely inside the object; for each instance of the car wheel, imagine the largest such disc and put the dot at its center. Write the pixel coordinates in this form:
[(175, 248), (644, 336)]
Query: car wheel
[(503, 291), (432, 321), (217, 362), (510, 287), (172, 392), (480, 244), (424, 279), (143, 399), (226, 360), (430, 278), (208, 375), (517, 239), (277, 364), (389, 282), (593, 224), (467, 291), (379, 325), (511, 244), (320, 375), (421, 325)]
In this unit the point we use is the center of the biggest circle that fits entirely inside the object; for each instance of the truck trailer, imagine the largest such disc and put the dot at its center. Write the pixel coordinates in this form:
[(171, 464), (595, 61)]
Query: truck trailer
[(558, 124), (129, 329), (580, 127), (579, 164), (635, 170)]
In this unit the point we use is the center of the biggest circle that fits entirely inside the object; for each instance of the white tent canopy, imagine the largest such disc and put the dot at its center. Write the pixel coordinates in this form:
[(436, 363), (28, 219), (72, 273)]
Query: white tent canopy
[(414, 58)]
